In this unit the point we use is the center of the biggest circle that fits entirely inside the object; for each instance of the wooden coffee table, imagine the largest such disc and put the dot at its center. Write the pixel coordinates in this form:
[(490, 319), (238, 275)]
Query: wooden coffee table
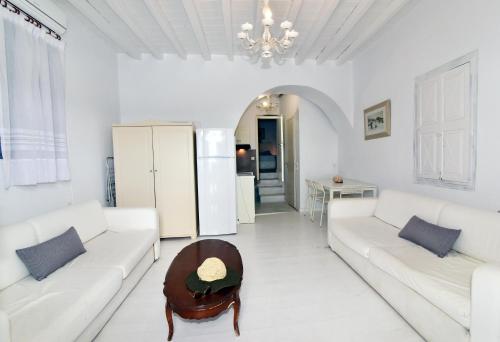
[(179, 298)]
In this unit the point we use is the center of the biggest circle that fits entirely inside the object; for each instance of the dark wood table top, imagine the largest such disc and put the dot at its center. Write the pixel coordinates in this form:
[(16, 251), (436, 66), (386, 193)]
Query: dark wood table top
[(180, 298)]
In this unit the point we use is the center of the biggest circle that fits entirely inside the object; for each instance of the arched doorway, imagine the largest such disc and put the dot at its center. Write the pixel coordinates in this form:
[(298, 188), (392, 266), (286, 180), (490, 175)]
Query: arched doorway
[(307, 121)]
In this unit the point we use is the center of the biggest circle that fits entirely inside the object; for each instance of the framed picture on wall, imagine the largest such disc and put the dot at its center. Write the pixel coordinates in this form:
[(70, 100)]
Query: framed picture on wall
[(378, 120)]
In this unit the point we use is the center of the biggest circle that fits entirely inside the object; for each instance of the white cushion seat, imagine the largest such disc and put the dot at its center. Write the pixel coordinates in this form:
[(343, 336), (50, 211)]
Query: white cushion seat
[(59, 307), (364, 233), (445, 282), (120, 250)]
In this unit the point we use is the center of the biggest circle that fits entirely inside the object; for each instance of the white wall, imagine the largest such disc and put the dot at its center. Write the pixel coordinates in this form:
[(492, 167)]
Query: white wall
[(428, 34), (318, 147), (91, 106), (215, 93)]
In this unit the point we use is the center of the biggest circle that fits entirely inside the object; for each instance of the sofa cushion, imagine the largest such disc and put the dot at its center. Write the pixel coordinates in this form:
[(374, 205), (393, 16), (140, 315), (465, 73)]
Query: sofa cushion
[(121, 250), (434, 238), (363, 233), (397, 208), (87, 218), (14, 237), (46, 257), (59, 307), (480, 235), (444, 282)]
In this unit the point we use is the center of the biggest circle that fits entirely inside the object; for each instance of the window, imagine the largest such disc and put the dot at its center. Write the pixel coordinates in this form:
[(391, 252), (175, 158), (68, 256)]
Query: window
[(445, 119)]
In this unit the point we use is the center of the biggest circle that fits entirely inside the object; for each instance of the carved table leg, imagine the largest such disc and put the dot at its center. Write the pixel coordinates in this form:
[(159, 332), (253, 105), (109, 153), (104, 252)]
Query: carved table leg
[(236, 308), (168, 313)]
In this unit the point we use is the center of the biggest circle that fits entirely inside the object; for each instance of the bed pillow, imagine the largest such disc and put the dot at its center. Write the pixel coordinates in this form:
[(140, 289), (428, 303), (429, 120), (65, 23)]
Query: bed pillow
[(46, 257), (434, 238)]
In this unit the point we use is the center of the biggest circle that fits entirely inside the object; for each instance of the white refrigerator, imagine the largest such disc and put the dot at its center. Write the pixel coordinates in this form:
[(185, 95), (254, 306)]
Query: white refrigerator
[(216, 162)]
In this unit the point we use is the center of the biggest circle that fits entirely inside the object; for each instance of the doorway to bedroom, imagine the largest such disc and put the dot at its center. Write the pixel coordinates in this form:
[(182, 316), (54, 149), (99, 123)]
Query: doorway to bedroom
[(267, 148)]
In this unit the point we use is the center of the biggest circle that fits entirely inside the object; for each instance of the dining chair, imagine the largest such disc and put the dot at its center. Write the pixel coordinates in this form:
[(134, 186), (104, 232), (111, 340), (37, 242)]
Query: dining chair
[(311, 198), (322, 197)]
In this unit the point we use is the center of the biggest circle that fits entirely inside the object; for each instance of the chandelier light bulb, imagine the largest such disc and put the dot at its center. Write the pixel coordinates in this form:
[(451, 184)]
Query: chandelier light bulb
[(242, 35), (266, 11), (267, 21), (286, 25), (293, 34), (247, 27)]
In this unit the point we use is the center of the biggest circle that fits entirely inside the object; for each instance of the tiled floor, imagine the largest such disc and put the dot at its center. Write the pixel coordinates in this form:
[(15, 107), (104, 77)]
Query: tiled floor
[(294, 289), (272, 208)]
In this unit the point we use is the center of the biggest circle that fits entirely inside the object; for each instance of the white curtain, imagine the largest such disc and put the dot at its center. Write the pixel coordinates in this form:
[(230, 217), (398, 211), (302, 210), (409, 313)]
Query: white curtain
[(33, 118)]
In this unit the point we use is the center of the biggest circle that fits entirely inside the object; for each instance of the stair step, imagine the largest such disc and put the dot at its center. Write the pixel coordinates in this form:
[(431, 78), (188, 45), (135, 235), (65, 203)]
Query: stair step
[(266, 182), (272, 198), (271, 190), (268, 175)]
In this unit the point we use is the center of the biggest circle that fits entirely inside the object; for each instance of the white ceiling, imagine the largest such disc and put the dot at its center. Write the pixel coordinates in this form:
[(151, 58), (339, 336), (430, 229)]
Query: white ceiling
[(329, 29)]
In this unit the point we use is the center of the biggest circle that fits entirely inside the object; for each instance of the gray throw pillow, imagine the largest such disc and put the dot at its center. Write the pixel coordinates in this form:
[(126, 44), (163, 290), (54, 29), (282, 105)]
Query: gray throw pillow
[(436, 239), (46, 257)]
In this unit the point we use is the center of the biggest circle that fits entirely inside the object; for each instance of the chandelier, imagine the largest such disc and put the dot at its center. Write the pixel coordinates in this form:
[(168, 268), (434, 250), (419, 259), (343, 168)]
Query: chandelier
[(267, 44), (267, 103)]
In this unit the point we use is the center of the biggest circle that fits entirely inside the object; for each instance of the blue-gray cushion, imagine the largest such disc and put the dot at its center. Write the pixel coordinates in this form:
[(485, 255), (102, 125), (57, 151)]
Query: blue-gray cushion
[(46, 257), (436, 239)]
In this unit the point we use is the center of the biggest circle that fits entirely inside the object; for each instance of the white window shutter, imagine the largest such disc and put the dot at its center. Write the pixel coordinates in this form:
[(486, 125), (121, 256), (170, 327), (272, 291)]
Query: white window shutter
[(445, 124), (457, 147), (428, 132)]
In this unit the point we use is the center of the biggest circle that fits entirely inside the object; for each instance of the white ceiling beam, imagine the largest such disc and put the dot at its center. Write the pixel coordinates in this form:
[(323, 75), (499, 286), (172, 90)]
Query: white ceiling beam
[(293, 11), (105, 27), (257, 26), (228, 27), (354, 17), (326, 12), (194, 19), (160, 16), (375, 26), (118, 9)]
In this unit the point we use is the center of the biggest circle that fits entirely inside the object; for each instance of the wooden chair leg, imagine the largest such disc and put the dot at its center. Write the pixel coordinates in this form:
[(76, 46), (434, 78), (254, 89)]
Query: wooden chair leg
[(168, 313), (236, 308)]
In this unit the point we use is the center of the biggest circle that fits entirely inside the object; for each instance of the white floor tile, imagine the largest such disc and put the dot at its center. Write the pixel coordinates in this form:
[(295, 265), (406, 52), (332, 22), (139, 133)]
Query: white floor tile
[(294, 289)]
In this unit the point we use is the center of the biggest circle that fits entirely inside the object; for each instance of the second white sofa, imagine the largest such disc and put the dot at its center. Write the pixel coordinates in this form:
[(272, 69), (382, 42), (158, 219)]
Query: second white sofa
[(455, 298), (76, 301)]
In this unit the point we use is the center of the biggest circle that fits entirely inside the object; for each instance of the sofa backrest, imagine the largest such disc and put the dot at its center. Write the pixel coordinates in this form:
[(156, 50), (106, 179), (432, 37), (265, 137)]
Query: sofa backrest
[(87, 218), (397, 208), (15, 236), (480, 236)]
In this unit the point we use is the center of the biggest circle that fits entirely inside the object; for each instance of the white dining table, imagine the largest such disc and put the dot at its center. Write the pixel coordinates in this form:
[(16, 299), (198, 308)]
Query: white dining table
[(349, 185)]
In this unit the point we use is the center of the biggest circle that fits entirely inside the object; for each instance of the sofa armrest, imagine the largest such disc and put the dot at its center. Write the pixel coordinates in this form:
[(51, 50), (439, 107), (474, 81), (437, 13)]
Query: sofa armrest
[(351, 207), (485, 304), (123, 219)]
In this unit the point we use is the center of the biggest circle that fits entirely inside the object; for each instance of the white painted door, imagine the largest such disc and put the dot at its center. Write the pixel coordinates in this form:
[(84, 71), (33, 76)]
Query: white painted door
[(291, 162), (133, 158), (175, 180)]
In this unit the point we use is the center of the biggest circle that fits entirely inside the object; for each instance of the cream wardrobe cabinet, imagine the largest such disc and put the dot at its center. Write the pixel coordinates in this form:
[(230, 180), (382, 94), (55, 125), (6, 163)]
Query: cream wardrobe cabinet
[(154, 167)]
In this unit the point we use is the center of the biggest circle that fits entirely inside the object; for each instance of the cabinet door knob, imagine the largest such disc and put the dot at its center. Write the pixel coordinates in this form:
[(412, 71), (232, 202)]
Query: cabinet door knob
[(150, 170)]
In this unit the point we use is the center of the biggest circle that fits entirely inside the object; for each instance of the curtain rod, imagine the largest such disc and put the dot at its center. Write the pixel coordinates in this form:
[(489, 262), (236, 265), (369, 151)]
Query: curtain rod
[(29, 18)]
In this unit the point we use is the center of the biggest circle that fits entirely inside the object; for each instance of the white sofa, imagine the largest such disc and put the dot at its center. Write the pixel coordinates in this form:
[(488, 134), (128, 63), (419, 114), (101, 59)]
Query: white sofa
[(76, 301), (456, 298)]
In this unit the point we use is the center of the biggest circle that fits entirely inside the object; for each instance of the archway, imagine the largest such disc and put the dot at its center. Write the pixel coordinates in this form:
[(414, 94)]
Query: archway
[(331, 116)]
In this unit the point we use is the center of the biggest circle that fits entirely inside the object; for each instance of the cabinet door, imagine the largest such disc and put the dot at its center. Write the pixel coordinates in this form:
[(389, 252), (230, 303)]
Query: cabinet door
[(174, 180), (133, 158)]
